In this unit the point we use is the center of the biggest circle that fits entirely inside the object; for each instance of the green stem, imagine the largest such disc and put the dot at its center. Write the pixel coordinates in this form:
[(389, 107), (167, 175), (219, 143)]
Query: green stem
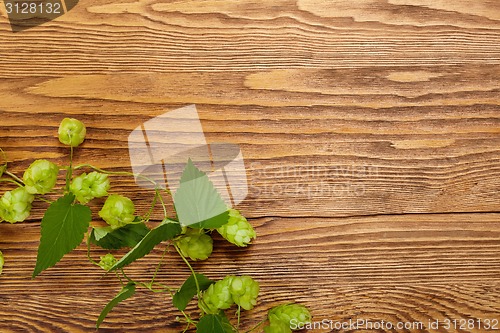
[(238, 313), (45, 200), (11, 181), (126, 277), (166, 288), (256, 326), (187, 327), (188, 320), (8, 173), (88, 250), (119, 278), (163, 205), (117, 173), (203, 306), (158, 266), (145, 285), (69, 173), (150, 287), (198, 291), (148, 214)]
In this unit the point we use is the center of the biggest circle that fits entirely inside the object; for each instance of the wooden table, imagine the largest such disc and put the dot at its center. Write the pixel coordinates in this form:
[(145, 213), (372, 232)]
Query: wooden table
[(370, 132)]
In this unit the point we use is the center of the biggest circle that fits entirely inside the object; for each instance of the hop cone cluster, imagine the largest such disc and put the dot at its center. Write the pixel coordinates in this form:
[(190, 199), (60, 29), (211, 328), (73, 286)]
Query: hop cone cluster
[(244, 290), (195, 244), (89, 186), (117, 211), (40, 177), (217, 296), (107, 261), (71, 132), (15, 205), (292, 315), (237, 230)]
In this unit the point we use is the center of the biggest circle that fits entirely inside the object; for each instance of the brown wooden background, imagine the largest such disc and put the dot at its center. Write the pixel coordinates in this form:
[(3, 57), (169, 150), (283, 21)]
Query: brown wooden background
[(370, 130)]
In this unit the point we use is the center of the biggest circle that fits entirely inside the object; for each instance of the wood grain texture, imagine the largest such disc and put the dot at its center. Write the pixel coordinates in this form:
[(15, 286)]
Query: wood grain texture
[(370, 131)]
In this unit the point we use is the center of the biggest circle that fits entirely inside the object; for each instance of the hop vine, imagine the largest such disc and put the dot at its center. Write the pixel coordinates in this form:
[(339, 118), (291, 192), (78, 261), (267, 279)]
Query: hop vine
[(68, 219)]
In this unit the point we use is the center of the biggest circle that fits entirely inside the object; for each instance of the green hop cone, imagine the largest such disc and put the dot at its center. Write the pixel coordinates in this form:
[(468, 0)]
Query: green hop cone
[(71, 132), (237, 230), (195, 244), (277, 326), (15, 205), (244, 291), (40, 177), (89, 186), (117, 211), (107, 261), (217, 296), (294, 315)]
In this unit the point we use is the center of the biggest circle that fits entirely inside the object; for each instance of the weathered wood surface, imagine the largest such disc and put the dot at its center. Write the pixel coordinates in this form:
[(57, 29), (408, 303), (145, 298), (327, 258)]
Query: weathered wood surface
[(370, 131)]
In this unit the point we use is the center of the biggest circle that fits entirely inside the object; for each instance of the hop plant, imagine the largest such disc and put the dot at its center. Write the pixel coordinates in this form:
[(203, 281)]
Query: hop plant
[(117, 211), (15, 205), (290, 314), (40, 177), (237, 230), (195, 244), (107, 261), (217, 296), (65, 217), (89, 186), (71, 132), (277, 326), (244, 291)]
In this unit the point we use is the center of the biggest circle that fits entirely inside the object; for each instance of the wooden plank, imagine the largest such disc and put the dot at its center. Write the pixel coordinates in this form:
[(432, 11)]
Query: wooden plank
[(370, 132), (154, 36), (301, 161), (411, 267), (62, 312)]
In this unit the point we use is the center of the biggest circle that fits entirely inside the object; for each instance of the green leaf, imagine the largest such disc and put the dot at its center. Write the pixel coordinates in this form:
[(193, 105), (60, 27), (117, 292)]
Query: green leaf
[(63, 227), (188, 290), (191, 172), (166, 230), (214, 323), (112, 239), (197, 202), (126, 292)]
